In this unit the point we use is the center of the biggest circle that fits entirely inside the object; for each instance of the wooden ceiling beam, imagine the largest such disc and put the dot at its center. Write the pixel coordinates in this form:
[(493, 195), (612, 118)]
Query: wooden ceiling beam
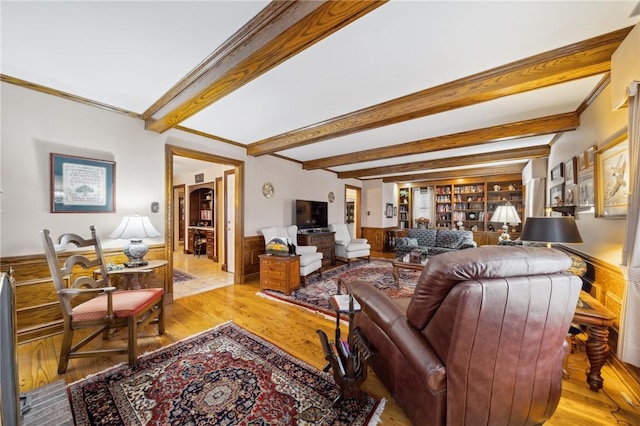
[(572, 62), (465, 160), (458, 173), (535, 127), (281, 30)]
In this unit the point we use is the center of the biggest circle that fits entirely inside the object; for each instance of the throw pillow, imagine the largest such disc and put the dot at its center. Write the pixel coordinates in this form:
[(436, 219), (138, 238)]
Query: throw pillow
[(413, 242), (578, 265)]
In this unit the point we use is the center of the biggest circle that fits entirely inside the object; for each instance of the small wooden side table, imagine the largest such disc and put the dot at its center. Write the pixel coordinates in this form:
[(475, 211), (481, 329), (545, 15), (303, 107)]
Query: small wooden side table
[(281, 273), (399, 264), (135, 276), (597, 319)]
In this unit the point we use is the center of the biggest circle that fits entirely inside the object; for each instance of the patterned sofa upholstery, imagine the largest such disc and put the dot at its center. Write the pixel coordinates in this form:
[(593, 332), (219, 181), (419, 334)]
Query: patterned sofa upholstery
[(436, 241)]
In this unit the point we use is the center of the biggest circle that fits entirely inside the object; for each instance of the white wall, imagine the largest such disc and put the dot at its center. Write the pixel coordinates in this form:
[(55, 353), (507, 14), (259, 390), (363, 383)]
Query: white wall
[(603, 238), (35, 124)]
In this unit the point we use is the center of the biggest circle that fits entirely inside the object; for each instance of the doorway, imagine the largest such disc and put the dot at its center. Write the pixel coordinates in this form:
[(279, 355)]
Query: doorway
[(352, 207), (230, 247)]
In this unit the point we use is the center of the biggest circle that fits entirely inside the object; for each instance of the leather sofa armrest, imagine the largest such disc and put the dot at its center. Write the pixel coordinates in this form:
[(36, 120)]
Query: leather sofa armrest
[(341, 243), (360, 241), (381, 310), (306, 249)]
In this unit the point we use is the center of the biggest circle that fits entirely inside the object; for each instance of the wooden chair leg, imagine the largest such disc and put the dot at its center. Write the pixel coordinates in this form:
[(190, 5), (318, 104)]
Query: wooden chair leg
[(133, 339), (67, 339), (161, 317)]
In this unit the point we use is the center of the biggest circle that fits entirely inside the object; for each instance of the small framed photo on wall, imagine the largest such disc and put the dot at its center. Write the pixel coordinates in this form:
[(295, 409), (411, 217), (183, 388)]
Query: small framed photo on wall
[(570, 172), (586, 192), (556, 195), (557, 171)]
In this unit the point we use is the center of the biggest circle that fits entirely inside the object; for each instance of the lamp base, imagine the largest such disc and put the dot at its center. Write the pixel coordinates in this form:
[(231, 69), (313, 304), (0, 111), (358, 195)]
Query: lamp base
[(505, 234), (135, 251)]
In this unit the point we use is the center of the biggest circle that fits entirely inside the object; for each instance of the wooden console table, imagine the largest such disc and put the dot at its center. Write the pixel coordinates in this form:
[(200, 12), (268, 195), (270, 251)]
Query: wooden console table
[(281, 273), (324, 241), (597, 319)]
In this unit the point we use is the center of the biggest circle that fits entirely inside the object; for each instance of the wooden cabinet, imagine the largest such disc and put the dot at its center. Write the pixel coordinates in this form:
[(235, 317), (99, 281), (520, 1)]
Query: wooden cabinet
[(211, 245), (324, 241), (281, 273), (194, 234)]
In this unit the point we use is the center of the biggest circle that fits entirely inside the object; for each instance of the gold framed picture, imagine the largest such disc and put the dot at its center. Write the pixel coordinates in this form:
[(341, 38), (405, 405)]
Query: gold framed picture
[(612, 175)]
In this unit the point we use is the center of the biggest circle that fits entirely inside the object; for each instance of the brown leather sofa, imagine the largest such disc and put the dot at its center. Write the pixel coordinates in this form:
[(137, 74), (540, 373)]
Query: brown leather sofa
[(482, 340)]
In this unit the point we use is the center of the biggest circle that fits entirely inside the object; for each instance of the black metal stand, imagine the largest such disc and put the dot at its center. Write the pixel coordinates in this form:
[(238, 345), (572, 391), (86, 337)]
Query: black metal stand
[(347, 359)]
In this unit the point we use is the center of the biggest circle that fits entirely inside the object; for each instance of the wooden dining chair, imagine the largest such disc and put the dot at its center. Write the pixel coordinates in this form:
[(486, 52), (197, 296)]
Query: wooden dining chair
[(99, 306)]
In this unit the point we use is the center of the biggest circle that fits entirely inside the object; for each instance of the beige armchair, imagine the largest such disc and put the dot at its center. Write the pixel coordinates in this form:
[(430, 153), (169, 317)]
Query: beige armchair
[(348, 247), (310, 258)]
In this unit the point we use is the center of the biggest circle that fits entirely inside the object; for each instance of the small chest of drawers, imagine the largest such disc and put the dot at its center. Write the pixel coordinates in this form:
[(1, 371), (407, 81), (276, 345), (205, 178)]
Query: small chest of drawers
[(281, 273)]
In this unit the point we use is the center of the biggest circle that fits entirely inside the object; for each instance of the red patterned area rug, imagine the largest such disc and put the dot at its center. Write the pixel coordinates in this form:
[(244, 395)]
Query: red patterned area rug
[(379, 272), (224, 376)]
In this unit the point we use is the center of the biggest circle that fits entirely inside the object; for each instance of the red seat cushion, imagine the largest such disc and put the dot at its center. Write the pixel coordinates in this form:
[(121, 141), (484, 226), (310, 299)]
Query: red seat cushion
[(125, 304)]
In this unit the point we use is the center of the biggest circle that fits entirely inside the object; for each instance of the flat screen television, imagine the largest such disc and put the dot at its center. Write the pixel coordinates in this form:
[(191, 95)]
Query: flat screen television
[(310, 214)]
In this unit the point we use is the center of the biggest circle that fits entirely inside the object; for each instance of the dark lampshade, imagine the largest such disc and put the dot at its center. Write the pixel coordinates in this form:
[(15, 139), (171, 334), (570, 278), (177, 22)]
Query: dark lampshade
[(553, 229)]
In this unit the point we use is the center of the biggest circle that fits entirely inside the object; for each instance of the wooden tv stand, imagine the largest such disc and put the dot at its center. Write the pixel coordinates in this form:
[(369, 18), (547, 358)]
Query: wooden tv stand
[(324, 241)]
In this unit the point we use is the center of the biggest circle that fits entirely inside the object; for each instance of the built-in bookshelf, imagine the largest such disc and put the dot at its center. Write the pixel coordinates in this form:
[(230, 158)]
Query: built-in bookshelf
[(499, 193), (471, 203), (404, 208), (443, 206), (201, 209)]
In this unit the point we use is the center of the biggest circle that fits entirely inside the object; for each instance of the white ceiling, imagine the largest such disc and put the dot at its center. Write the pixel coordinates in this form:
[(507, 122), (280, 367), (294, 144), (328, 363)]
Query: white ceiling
[(128, 54)]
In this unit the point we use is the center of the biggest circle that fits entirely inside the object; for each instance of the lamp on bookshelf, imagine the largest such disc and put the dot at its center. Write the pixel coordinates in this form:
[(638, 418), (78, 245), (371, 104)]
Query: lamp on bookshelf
[(135, 228), (506, 214)]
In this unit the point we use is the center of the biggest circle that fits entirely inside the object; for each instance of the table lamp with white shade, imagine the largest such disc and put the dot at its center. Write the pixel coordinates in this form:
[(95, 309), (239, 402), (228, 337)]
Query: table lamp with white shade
[(135, 228), (506, 213)]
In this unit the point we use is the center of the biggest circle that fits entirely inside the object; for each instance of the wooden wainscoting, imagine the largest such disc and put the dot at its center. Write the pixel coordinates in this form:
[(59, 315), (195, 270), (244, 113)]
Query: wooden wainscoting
[(376, 237), (38, 311), (253, 247)]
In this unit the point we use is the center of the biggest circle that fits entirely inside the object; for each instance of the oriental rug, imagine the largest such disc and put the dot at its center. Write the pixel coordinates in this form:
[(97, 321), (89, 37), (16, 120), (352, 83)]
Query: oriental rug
[(180, 276), (223, 376), (379, 272)]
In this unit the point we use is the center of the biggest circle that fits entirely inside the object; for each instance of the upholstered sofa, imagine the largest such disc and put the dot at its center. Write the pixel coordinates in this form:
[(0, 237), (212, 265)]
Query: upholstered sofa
[(482, 339), (436, 241)]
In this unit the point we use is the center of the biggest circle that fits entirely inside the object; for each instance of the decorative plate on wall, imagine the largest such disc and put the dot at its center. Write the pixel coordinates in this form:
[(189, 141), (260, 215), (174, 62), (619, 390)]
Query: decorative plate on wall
[(267, 190), (332, 197)]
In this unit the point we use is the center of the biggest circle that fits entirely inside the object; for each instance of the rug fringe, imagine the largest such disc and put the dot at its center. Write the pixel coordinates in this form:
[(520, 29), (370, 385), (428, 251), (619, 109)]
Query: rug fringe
[(306, 308), (376, 417)]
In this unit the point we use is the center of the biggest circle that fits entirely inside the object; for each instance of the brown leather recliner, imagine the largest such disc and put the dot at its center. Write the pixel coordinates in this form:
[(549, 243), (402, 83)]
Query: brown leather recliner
[(482, 339)]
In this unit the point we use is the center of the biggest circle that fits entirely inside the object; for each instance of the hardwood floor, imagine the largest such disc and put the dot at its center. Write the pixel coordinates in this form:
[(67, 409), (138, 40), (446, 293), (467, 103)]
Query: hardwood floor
[(208, 273), (293, 329)]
